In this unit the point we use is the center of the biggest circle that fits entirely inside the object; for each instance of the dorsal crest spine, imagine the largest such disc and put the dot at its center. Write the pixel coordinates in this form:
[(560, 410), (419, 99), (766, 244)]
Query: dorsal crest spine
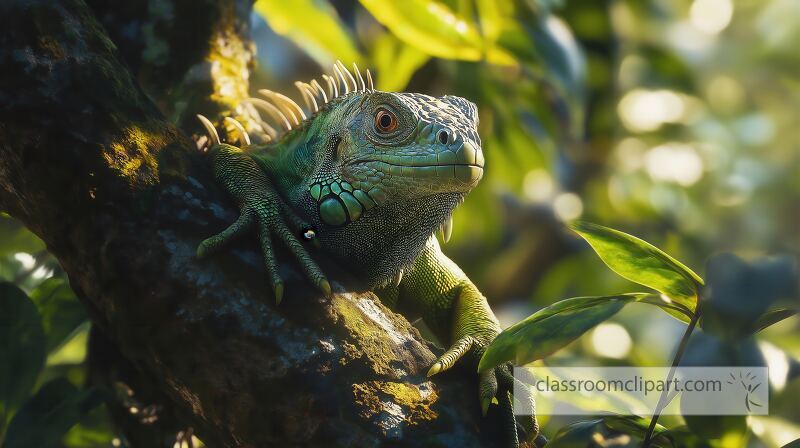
[(284, 114)]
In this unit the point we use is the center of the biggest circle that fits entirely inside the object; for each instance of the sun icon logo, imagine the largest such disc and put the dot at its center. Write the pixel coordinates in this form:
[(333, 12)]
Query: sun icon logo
[(749, 384)]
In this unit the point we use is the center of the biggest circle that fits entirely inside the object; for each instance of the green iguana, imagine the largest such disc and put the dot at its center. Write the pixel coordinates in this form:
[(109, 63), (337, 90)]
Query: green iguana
[(369, 177)]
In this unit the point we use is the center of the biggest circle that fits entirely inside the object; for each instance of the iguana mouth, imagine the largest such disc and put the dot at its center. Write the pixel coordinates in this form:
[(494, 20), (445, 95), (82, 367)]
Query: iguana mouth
[(460, 171), (462, 162)]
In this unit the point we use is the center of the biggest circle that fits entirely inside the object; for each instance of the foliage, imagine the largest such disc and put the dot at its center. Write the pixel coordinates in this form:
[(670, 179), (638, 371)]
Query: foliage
[(735, 304), (42, 394), (30, 329), (641, 262)]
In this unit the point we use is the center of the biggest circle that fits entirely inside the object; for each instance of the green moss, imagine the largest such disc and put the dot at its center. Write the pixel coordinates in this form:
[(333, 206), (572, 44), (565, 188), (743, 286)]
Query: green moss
[(134, 154), (230, 59), (414, 404), (368, 340)]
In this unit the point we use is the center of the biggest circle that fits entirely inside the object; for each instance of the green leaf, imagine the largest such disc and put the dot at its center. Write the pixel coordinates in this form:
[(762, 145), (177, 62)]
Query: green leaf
[(578, 435), (22, 348), (16, 238), (60, 310), (641, 262), (792, 444), (432, 27), (711, 427), (395, 62), (314, 26), (48, 415), (94, 430), (610, 428), (674, 309), (772, 317), (551, 328)]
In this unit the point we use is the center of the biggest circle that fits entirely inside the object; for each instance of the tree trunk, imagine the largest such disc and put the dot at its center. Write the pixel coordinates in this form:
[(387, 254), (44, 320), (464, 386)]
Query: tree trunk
[(122, 199)]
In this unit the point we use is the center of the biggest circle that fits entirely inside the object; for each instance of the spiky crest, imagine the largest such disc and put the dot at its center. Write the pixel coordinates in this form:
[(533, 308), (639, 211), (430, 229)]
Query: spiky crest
[(285, 114)]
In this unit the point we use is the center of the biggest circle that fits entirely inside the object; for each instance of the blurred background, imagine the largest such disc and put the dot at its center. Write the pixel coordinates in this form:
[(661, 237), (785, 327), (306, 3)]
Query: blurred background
[(673, 120)]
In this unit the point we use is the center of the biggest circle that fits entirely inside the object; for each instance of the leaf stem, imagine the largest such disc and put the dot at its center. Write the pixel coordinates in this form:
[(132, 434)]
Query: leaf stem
[(662, 400)]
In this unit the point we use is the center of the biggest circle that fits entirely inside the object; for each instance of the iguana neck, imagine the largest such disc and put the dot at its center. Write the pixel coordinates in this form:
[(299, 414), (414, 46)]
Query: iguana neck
[(288, 163)]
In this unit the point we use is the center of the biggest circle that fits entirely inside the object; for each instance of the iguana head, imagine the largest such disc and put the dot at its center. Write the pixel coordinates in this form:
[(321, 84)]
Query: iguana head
[(382, 148), (377, 173)]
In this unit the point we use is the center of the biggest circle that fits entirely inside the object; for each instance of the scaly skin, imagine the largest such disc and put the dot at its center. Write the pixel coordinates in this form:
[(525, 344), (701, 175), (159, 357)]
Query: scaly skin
[(374, 195)]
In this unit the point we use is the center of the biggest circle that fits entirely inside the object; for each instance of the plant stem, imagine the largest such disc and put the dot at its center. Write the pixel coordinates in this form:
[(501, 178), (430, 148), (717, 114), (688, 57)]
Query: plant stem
[(675, 361)]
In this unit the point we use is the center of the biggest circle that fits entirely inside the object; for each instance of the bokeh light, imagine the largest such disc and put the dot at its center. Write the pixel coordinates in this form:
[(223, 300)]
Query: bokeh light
[(643, 110), (674, 162), (711, 16), (611, 340)]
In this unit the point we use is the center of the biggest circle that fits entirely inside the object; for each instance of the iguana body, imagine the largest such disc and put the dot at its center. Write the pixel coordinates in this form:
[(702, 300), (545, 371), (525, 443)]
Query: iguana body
[(371, 176)]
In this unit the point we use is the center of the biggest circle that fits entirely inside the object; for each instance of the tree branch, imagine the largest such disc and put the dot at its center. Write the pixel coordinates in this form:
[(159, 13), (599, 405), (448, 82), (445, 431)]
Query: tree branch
[(88, 163), (191, 56)]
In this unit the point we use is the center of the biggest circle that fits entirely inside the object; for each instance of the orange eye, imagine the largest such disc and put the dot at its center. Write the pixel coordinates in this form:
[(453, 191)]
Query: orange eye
[(385, 121)]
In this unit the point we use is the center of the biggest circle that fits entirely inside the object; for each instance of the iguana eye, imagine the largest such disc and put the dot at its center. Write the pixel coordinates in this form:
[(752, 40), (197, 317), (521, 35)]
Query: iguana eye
[(385, 121)]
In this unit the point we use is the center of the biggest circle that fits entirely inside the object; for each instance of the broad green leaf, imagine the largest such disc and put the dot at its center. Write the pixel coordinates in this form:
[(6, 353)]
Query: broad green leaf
[(60, 311), (547, 52), (73, 350), (22, 347), (551, 328), (314, 26), (395, 62), (773, 317), (641, 262), (432, 27), (16, 238), (94, 430), (594, 432), (47, 416)]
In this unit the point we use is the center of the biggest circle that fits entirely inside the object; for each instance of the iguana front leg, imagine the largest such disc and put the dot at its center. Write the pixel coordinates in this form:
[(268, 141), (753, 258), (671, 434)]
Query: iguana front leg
[(262, 207), (453, 307)]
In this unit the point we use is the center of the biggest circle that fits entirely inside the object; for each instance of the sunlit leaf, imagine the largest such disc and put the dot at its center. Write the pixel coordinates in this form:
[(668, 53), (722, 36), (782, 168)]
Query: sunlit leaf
[(711, 427), (641, 262), (674, 309), (94, 430), (60, 311), (551, 328), (22, 347), (48, 415), (432, 27), (395, 62), (792, 444), (16, 238), (314, 26), (73, 349)]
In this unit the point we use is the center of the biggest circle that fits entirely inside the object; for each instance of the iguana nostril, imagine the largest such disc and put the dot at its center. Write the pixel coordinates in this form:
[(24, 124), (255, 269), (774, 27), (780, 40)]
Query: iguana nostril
[(442, 136)]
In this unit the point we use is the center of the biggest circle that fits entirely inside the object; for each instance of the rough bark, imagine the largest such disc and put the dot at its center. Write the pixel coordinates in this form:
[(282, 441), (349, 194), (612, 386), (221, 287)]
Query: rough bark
[(121, 198), (191, 56)]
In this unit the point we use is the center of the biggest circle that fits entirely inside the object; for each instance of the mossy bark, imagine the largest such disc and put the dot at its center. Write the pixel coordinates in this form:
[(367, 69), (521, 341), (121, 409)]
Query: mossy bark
[(122, 198)]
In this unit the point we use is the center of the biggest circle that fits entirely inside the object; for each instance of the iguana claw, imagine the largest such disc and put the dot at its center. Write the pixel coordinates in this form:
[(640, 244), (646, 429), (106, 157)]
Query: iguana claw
[(260, 207)]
